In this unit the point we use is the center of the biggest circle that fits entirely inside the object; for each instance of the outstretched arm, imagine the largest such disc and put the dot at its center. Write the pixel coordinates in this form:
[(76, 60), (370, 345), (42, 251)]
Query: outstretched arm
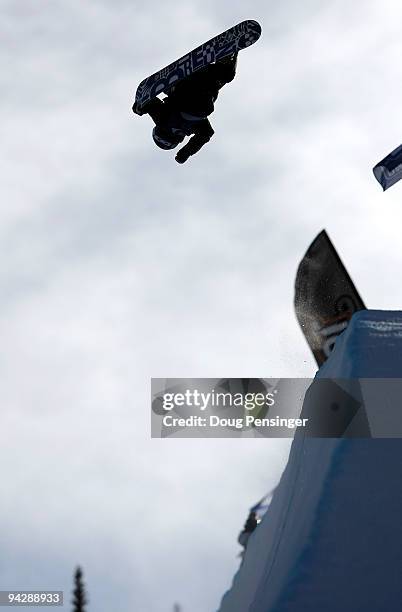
[(155, 108), (202, 136)]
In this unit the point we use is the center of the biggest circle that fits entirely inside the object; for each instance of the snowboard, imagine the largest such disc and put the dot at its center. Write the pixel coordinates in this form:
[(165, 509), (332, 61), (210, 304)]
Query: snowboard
[(325, 297), (232, 40), (389, 170)]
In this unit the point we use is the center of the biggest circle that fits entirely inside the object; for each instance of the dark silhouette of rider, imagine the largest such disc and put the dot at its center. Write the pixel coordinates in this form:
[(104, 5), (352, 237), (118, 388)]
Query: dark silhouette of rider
[(185, 110)]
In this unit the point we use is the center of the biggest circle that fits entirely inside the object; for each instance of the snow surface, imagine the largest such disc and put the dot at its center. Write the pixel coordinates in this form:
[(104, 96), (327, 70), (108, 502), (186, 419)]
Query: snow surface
[(332, 537)]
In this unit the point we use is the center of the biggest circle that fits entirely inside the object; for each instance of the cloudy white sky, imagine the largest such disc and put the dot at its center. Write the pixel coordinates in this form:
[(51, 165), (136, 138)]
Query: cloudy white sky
[(118, 265)]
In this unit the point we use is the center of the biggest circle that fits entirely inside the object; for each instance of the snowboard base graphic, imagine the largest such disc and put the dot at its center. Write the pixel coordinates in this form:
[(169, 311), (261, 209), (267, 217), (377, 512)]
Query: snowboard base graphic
[(232, 40), (389, 170)]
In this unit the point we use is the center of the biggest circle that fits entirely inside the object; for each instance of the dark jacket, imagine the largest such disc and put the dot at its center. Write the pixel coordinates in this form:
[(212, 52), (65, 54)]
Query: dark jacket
[(197, 93), (191, 101)]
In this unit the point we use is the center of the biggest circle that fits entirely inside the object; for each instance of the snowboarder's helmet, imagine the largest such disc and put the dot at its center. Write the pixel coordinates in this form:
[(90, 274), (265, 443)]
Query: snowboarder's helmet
[(165, 138)]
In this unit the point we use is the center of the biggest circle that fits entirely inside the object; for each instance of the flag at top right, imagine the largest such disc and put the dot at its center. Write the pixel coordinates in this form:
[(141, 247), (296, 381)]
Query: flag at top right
[(389, 170)]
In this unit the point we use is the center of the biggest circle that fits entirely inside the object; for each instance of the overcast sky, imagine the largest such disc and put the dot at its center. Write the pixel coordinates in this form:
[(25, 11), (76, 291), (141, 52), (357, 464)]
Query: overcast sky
[(118, 264)]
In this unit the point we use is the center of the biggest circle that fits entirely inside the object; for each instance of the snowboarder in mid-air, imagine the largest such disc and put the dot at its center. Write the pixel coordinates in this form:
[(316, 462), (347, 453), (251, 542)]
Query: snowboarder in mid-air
[(191, 85), (185, 110)]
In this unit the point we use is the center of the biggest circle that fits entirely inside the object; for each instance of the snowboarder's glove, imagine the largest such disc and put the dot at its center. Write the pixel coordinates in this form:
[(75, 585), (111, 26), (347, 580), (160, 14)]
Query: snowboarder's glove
[(181, 157), (136, 109)]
